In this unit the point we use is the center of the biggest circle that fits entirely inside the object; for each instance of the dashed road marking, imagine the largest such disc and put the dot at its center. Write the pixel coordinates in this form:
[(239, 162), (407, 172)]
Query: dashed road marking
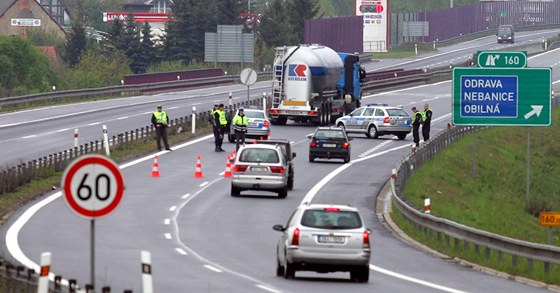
[(167, 221), (181, 251), (29, 136), (376, 148), (213, 268), (167, 235), (172, 208), (94, 123), (267, 289), (203, 184), (186, 195)]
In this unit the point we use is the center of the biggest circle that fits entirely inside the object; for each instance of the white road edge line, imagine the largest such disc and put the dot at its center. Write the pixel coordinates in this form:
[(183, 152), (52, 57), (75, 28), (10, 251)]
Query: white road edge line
[(413, 280), (12, 233), (213, 269)]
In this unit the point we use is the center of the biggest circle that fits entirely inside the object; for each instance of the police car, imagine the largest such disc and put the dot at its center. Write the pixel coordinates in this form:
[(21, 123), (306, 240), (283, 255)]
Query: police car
[(258, 124), (375, 120)]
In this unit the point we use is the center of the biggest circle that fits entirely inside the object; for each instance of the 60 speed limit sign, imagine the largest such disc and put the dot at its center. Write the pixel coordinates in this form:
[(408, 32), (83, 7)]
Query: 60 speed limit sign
[(93, 186)]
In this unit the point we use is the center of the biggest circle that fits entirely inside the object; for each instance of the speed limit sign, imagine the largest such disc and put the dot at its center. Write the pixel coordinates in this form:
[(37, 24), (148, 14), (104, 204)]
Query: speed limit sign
[(93, 186)]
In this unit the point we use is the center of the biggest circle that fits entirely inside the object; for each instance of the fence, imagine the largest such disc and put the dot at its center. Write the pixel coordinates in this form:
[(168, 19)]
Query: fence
[(449, 231)]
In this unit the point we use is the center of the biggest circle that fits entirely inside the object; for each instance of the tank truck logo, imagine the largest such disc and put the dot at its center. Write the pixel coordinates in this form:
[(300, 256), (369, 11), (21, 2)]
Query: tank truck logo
[(297, 72)]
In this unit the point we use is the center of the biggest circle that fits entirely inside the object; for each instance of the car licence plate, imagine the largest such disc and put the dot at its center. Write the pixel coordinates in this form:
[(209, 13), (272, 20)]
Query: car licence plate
[(330, 239), (258, 169), (253, 124), (329, 145)]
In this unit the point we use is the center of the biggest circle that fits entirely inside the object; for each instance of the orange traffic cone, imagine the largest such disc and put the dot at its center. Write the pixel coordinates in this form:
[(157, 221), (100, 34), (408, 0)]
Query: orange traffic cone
[(227, 173), (155, 171), (198, 170)]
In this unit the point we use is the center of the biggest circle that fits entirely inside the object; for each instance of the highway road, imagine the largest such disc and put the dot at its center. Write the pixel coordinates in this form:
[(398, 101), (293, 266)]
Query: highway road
[(31, 134), (203, 240)]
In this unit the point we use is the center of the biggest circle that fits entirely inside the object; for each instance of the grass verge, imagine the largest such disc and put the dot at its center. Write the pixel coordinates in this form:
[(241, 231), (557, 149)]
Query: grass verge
[(481, 182)]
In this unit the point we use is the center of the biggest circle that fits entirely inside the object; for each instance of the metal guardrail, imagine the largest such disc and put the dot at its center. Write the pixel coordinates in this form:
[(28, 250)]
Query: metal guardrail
[(451, 230)]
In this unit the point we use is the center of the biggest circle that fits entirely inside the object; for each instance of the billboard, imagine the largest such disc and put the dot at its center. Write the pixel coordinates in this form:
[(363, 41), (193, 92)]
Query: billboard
[(375, 19)]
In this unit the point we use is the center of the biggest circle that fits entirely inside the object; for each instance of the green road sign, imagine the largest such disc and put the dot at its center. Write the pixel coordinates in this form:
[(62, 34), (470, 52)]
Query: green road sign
[(487, 59), (500, 96)]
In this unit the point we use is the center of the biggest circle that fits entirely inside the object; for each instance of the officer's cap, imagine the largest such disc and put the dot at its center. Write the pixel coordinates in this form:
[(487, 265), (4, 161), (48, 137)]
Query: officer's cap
[(158, 106), (221, 105)]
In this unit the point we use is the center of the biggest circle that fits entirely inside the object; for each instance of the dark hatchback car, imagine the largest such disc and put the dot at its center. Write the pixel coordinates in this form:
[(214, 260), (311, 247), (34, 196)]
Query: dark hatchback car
[(329, 143)]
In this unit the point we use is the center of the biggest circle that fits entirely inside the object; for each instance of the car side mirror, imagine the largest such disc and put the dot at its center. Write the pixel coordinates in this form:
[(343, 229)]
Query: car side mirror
[(278, 228), (310, 136), (293, 155)]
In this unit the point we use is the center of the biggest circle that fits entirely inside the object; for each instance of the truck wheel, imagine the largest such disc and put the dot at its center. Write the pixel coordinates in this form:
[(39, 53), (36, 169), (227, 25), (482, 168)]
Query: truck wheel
[(328, 114), (372, 132)]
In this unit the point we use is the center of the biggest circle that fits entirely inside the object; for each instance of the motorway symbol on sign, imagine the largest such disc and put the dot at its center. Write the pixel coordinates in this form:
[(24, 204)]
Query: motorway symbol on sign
[(500, 96), (93, 186), (493, 59)]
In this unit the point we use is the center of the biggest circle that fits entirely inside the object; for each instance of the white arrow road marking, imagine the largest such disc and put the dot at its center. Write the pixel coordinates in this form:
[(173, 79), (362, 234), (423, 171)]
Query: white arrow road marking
[(536, 110)]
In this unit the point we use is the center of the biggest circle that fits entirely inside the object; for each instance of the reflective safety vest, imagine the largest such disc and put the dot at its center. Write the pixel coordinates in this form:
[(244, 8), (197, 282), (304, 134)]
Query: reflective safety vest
[(161, 117), (223, 120), (417, 114), (240, 123), (425, 115)]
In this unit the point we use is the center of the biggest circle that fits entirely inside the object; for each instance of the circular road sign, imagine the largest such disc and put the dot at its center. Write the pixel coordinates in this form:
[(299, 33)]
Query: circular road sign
[(248, 76), (93, 186)]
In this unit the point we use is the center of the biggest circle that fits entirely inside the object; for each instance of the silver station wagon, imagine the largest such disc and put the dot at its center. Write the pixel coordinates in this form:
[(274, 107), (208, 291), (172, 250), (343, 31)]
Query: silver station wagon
[(324, 238), (260, 167)]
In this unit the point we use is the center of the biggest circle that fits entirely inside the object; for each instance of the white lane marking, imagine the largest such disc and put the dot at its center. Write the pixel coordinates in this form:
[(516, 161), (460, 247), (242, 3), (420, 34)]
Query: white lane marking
[(172, 108), (213, 269), (194, 104), (203, 184), (94, 123), (405, 89), (172, 208), (311, 194), (61, 130), (149, 112), (414, 280), (29, 136), (267, 289), (121, 118), (186, 195), (181, 251), (377, 147), (167, 236), (166, 221)]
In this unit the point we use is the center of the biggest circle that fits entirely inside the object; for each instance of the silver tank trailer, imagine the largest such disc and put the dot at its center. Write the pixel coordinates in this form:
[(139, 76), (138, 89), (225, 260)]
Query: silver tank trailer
[(324, 69)]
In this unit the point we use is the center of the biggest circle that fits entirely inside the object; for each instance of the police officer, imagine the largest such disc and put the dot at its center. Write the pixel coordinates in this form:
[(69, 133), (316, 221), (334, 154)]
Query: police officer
[(160, 120), (239, 127), (426, 121), (221, 123), (416, 121), (214, 123)]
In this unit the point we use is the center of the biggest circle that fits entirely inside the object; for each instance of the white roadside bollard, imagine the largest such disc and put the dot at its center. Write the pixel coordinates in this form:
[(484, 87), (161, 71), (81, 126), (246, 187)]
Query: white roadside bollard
[(426, 206), (230, 99), (415, 49), (76, 137), (193, 119), (106, 141), (44, 273), (147, 286), (264, 101), (394, 174)]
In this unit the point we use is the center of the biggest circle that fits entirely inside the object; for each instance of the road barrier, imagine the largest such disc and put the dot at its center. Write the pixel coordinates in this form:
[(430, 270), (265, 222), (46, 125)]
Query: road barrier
[(453, 233)]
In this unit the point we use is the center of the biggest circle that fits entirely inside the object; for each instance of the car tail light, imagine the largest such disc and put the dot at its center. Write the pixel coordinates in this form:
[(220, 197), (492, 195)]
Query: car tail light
[(240, 168), (366, 239), (295, 239), (345, 145), (386, 120), (266, 123), (313, 144), (274, 111), (313, 113), (277, 169), (331, 209)]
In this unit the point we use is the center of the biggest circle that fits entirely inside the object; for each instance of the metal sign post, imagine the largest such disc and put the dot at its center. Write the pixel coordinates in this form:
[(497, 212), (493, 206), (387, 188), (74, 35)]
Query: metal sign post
[(93, 187), (248, 77)]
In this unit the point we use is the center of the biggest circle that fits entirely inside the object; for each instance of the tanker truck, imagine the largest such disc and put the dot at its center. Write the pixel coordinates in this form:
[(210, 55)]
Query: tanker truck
[(313, 83)]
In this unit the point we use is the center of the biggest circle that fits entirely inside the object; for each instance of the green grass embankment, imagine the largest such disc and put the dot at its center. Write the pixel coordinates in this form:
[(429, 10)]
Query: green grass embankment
[(493, 197)]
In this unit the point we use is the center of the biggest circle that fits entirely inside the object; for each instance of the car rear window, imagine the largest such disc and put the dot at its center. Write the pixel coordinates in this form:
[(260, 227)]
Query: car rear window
[(331, 219), (397, 112), (254, 114), (259, 156), (327, 134)]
